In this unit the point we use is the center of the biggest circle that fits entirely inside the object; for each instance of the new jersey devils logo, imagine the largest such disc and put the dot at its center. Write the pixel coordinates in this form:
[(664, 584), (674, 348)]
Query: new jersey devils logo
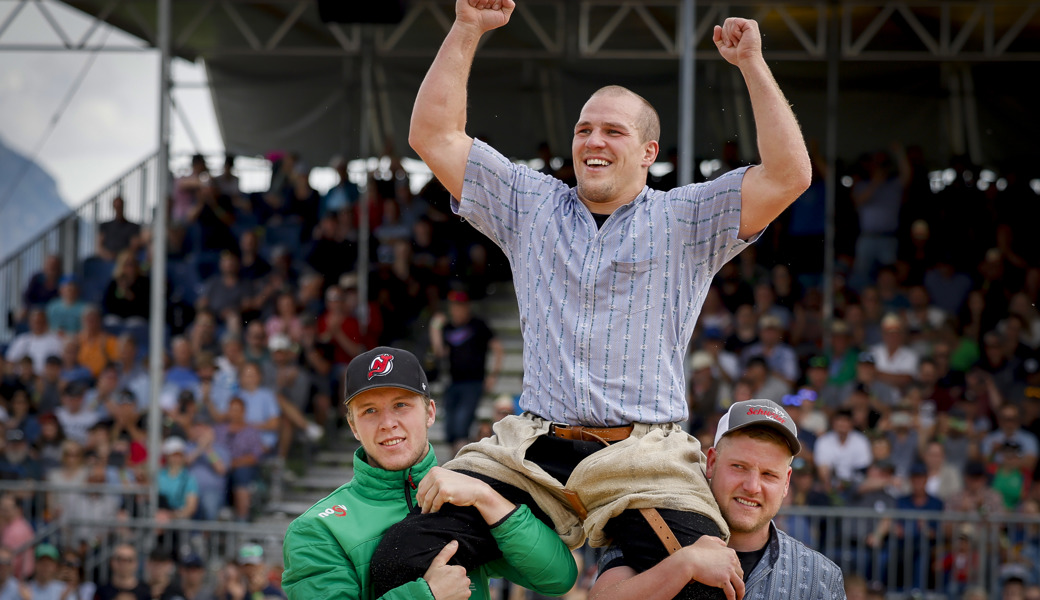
[(381, 365)]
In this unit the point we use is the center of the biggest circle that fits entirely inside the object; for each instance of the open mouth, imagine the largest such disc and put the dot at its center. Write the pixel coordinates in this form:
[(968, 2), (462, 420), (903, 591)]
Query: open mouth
[(748, 503), (392, 442), (597, 162)]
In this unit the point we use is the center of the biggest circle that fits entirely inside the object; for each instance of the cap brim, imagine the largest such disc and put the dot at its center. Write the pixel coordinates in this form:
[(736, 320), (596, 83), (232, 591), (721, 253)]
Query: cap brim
[(389, 385)]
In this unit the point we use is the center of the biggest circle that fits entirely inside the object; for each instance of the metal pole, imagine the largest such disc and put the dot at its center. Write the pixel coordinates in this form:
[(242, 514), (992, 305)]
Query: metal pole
[(157, 318), (687, 87), (831, 180), (364, 149)]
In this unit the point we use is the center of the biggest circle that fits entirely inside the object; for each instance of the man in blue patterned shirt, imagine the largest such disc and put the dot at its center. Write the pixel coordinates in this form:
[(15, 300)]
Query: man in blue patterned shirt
[(611, 276), (750, 472)]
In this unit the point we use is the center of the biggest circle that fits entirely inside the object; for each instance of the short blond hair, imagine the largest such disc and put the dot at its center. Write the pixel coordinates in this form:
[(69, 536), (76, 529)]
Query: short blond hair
[(648, 123)]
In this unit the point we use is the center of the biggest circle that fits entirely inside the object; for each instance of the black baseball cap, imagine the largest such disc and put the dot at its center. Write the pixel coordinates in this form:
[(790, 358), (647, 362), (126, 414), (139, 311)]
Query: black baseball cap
[(385, 367), (763, 412)]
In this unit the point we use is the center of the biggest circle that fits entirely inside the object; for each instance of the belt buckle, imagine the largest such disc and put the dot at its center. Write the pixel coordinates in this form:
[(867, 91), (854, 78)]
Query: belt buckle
[(553, 426)]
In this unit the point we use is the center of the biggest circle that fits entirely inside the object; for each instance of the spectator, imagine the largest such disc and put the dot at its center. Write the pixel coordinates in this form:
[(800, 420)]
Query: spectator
[(48, 445), (917, 536), (255, 347), (1002, 367), (15, 535), (843, 355), (43, 285), (800, 407), (180, 375), (330, 253), (45, 584), (212, 215), (186, 189), (878, 196), (127, 299), (117, 235), (17, 463), (38, 343), (944, 479), (295, 392), (72, 370), (764, 383), (782, 360), (97, 347), (178, 489), (252, 266), (464, 340), (225, 293), (340, 327), (825, 394), (246, 448), (21, 417), (873, 492), (261, 404), (123, 578), (1009, 479), (132, 373), (725, 364), (208, 462), (867, 377), (286, 318), (73, 415), (251, 579), (49, 387), (190, 582), (961, 564), (344, 195), (72, 472), (1009, 422), (64, 312), (159, 571), (903, 437), (707, 395), (977, 496), (99, 507), (841, 453), (127, 421), (947, 287), (896, 362)]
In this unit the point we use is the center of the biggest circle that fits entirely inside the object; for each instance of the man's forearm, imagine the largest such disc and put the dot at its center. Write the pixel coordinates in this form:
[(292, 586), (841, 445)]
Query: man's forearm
[(780, 144)]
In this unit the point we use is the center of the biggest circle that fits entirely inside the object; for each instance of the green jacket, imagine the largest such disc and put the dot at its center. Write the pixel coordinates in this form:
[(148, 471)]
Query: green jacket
[(327, 549)]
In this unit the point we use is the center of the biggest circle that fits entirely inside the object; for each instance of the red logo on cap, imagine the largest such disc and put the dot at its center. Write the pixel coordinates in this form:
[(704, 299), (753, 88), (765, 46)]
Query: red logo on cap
[(381, 365), (766, 412)]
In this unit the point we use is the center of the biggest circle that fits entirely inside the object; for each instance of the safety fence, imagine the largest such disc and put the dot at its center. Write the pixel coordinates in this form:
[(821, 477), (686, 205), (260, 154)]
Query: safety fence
[(913, 553)]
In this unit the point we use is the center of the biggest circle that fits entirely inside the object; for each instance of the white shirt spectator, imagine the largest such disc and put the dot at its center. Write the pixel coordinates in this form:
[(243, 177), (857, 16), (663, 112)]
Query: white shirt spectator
[(844, 459), (36, 346), (76, 424), (902, 362), (1027, 443)]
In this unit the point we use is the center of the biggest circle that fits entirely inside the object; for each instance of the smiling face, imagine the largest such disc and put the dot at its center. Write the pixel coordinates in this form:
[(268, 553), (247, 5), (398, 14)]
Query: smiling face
[(749, 478), (391, 425), (613, 149)]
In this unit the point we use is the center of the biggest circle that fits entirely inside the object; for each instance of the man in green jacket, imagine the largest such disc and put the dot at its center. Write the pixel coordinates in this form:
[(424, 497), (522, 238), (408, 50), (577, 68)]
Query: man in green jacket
[(328, 549)]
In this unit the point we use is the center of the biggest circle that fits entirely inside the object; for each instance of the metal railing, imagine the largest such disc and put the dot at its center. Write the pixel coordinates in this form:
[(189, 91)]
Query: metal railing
[(939, 554), (73, 236)]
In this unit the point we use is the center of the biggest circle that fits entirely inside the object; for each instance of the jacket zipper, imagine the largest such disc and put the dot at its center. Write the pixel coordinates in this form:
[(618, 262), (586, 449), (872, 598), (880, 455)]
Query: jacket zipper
[(409, 485)]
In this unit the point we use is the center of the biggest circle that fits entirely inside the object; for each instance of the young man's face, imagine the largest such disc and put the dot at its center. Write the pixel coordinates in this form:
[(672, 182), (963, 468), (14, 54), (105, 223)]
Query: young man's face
[(610, 157), (392, 425), (749, 479)]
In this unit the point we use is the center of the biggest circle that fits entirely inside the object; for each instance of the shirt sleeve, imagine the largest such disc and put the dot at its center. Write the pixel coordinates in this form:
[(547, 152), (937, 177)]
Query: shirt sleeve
[(711, 213), (498, 195), (533, 556), (317, 568)]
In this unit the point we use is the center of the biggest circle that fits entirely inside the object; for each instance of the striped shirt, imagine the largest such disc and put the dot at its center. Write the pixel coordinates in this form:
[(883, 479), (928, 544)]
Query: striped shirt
[(606, 313), (788, 570)]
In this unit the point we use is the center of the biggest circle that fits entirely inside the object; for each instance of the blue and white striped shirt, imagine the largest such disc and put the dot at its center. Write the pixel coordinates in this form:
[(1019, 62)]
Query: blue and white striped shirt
[(606, 314)]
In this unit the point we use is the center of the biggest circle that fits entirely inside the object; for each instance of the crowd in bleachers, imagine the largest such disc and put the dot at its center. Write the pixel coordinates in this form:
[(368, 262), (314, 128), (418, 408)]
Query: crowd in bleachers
[(931, 373)]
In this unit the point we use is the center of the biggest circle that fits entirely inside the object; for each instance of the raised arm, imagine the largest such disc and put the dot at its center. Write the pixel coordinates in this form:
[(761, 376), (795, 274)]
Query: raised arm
[(785, 171), (438, 128)]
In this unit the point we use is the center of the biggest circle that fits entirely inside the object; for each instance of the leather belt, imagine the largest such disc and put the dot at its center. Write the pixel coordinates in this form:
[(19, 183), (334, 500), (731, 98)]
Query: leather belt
[(604, 435)]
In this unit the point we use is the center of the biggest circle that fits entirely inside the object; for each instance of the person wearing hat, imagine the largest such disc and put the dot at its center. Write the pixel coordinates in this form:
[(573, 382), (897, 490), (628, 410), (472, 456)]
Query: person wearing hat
[(190, 582), (867, 376), (250, 574), (841, 453), (16, 462), (749, 472), (73, 414), (330, 547), (782, 359), (178, 489), (45, 584), (292, 386), (464, 341)]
